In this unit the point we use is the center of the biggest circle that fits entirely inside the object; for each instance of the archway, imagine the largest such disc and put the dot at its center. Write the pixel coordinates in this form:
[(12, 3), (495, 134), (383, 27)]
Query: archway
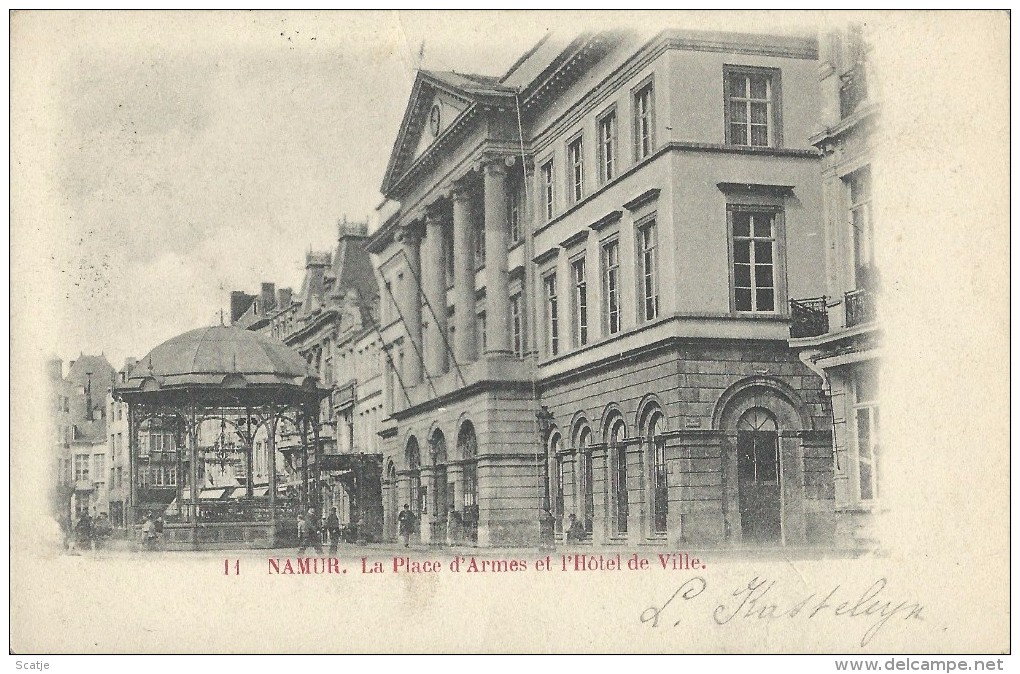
[(616, 441), (759, 476), (441, 491), (467, 447), (412, 458), (586, 477)]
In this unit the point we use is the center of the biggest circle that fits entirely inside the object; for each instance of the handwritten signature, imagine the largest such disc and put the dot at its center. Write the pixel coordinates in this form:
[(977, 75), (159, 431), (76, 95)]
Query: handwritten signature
[(757, 602)]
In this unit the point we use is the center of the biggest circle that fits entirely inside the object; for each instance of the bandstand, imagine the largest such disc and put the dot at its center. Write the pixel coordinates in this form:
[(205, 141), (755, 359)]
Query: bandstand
[(244, 386)]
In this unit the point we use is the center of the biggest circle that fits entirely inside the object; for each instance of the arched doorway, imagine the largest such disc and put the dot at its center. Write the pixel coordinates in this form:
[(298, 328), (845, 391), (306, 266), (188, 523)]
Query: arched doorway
[(415, 496), (758, 476), (467, 446), (557, 486), (392, 501), (441, 491)]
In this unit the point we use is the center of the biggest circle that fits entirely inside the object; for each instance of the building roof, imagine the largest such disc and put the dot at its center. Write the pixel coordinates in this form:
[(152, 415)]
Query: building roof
[(102, 372), (220, 356)]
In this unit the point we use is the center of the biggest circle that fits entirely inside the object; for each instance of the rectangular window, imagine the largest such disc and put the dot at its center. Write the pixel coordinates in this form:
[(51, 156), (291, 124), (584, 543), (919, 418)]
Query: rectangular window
[(611, 285), (580, 302), (643, 125), (866, 416), (81, 467), (516, 326), (448, 253), (751, 107), (607, 147), (859, 196), (481, 329), (552, 315), (647, 266), (547, 189), (120, 476), (754, 287), (99, 466), (514, 212), (575, 159)]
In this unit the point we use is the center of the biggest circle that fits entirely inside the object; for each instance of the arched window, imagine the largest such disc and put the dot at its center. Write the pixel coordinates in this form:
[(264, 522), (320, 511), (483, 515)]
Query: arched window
[(437, 448), (467, 446), (618, 469), (582, 444), (660, 482), (413, 458), (557, 478), (757, 440)]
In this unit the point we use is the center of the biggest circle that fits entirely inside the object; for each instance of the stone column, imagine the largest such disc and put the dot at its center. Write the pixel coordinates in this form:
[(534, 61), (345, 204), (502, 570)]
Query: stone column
[(497, 277), (410, 299), (465, 347), (434, 281)]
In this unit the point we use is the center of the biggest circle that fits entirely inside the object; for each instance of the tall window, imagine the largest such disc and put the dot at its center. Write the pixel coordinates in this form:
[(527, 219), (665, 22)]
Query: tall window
[(618, 454), (754, 287), (81, 467), (866, 416), (547, 189), (580, 302), (587, 475), (480, 329), (750, 107), (514, 212), (575, 159), (552, 315), (660, 495), (611, 284), (99, 466), (516, 325), (648, 262), (643, 140), (556, 475), (607, 147), (859, 193), (413, 458)]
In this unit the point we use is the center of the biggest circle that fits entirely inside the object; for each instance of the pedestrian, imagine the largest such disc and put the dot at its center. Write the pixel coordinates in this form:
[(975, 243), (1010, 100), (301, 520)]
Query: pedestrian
[(302, 532), (101, 530), (575, 531), (148, 535), (454, 525), (406, 522), (313, 536), (333, 529), (157, 530), (83, 531)]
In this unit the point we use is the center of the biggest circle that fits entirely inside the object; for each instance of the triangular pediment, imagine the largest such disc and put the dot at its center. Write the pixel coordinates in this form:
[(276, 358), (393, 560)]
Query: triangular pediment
[(438, 101)]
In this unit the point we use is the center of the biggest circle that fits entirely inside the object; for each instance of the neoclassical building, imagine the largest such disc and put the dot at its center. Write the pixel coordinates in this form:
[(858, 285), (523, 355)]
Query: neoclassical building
[(585, 296), (837, 334)]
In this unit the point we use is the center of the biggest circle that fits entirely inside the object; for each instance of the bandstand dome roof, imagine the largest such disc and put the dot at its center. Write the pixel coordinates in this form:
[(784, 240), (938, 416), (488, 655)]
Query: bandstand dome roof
[(220, 357)]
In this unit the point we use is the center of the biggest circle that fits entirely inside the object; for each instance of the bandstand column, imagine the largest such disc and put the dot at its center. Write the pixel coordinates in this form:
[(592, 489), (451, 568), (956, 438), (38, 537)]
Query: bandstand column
[(193, 453), (465, 347), (497, 277), (271, 442)]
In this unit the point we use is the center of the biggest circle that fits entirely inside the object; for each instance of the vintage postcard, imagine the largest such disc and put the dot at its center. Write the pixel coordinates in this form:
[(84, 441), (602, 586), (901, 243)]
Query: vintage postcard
[(509, 332)]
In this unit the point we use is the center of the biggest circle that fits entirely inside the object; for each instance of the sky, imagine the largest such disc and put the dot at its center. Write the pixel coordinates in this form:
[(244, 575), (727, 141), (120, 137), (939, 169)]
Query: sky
[(182, 156)]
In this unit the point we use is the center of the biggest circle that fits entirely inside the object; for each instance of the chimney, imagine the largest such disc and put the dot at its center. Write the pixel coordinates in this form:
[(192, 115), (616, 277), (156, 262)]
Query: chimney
[(239, 303), (55, 368), (88, 397), (285, 297), (268, 298)]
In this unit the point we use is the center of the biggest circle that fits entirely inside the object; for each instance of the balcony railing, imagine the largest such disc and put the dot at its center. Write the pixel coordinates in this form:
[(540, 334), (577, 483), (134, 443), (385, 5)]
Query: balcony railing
[(860, 307), (808, 317)]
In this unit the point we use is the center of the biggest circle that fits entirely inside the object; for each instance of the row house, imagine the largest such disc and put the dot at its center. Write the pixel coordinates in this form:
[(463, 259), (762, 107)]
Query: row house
[(837, 334), (586, 295), (332, 322)]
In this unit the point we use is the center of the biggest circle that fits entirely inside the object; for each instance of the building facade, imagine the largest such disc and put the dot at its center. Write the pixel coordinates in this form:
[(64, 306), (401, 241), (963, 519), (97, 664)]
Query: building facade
[(81, 447), (333, 323), (585, 296), (837, 334)]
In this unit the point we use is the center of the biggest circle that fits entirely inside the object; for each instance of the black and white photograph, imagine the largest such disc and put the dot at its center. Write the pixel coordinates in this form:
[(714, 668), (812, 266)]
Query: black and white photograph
[(510, 332)]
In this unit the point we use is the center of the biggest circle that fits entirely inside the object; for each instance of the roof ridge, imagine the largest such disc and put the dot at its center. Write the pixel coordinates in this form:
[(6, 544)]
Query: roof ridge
[(198, 347)]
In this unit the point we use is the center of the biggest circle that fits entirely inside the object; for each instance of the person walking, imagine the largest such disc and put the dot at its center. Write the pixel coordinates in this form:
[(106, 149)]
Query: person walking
[(313, 536), (333, 530), (148, 535), (83, 531), (406, 522)]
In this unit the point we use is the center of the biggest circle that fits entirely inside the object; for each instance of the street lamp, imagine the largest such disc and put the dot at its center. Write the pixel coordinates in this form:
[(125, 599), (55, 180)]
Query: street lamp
[(546, 521)]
